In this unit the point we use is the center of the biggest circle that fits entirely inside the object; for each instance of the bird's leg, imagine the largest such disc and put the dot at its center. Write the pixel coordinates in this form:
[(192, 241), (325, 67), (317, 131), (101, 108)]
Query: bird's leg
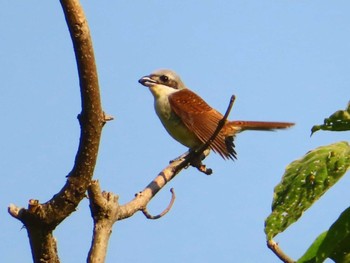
[(205, 154), (201, 167), (196, 161)]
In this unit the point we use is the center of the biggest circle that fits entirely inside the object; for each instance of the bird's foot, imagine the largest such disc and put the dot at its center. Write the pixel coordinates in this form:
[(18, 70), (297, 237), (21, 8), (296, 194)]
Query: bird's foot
[(196, 161)]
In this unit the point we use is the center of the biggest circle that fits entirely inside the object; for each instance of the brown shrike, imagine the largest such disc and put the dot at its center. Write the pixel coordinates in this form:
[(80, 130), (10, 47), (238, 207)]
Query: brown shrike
[(190, 120)]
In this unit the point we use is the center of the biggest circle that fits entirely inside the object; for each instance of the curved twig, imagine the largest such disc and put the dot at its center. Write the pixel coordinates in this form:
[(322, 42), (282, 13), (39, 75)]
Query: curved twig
[(166, 210)]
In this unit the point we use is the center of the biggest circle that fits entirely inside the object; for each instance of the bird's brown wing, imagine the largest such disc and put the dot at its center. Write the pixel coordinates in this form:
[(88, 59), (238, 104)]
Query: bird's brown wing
[(202, 120)]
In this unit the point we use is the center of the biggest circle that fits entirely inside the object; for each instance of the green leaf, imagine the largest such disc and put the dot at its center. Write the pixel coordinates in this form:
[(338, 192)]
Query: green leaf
[(304, 181), (338, 121), (334, 243), (310, 254)]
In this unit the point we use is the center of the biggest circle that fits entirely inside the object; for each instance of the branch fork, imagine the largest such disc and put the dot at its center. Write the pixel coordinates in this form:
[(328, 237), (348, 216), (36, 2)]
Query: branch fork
[(41, 219)]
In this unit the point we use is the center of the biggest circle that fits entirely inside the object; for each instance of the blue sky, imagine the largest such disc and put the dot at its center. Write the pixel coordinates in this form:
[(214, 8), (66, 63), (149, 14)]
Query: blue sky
[(284, 61)]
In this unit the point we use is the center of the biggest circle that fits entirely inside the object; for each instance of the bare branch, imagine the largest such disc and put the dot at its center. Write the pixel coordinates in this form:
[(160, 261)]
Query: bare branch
[(104, 210), (106, 213), (271, 244), (166, 210), (41, 219), (142, 199)]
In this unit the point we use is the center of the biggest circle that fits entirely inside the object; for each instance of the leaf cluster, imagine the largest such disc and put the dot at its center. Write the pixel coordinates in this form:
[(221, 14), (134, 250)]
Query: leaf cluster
[(304, 182)]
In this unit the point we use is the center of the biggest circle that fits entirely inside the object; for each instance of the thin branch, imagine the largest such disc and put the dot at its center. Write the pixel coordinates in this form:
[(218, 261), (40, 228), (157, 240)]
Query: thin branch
[(144, 197), (271, 244), (166, 210)]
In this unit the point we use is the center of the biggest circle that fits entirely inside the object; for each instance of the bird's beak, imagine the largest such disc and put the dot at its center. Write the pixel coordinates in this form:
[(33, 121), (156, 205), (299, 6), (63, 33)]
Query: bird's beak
[(147, 81)]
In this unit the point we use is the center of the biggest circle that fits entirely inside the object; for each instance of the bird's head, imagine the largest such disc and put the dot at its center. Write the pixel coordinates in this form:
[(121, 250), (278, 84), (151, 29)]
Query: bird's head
[(163, 80)]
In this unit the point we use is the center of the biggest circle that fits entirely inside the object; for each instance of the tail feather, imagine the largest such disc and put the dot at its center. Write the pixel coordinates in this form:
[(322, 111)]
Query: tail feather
[(234, 127)]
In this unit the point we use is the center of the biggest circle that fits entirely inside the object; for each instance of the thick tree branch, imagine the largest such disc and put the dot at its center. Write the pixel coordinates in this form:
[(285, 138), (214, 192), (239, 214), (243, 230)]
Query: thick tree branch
[(41, 219)]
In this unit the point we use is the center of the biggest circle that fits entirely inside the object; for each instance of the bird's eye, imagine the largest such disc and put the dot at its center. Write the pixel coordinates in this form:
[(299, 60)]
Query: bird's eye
[(164, 78)]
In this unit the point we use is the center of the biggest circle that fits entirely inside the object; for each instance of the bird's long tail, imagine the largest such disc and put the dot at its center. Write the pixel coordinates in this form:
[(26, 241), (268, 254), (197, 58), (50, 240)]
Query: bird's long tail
[(234, 127)]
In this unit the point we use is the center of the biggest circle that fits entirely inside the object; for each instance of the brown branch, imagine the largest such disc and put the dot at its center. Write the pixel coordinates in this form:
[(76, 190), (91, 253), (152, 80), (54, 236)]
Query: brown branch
[(41, 219), (166, 210), (104, 210), (103, 228), (144, 197), (271, 244)]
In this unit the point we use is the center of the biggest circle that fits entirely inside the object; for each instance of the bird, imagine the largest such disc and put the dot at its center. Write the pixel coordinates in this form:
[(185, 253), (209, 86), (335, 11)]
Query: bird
[(191, 121)]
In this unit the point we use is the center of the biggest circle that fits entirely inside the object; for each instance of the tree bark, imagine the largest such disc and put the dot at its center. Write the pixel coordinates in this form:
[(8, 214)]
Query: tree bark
[(41, 219)]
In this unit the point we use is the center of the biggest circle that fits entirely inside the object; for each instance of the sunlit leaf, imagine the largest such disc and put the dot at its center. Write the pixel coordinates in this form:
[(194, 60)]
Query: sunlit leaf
[(304, 181), (338, 121)]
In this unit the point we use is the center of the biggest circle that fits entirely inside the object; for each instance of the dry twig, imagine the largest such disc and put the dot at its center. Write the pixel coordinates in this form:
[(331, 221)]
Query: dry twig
[(166, 210)]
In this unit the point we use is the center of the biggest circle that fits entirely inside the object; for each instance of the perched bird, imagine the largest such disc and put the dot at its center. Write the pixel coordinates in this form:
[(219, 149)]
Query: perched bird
[(190, 120)]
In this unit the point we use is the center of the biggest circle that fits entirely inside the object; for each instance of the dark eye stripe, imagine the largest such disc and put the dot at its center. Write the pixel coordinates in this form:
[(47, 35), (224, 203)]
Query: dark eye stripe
[(164, 79)]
